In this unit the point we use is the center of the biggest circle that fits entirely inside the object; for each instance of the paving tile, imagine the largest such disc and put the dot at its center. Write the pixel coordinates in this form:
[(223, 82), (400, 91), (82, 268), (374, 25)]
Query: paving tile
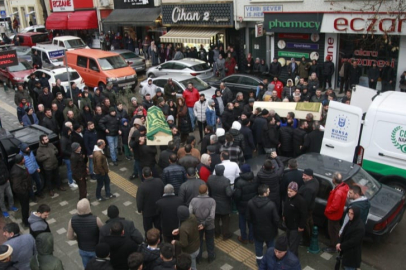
[(226, 267), (127, 203), (123, 169), (237, 232), (56, 195), (61, 231), (104, 212), (71, 243), (95, 203), (63, 203), (117, 194), (33, 203), (51, 221), (308, 268), (73, 212), (327, 256)]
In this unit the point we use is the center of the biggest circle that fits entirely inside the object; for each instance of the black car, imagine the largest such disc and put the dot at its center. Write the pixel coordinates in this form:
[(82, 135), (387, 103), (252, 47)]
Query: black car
[(10, 140), (239, 83), (387, 204)]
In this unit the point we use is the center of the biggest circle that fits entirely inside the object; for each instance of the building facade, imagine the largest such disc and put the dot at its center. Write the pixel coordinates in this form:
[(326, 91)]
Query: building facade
[(25, 11)]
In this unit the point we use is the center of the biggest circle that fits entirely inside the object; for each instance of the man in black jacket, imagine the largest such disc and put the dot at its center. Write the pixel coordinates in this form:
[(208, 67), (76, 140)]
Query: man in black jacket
[(66, 149), (260, 123), (327, 72), (354, 73), (110, 124), (128, 226), (275, 68), (149, 192), (248, 139), (167, 208), (292, 174), (90, 140), (163, 161), (387, 76), (263, 215), (174, 174), (227, 118), (245, 188), (208, 131), (286, 139), (313, 140), (309, 191), (220, 190), (50, 122), (299, 137), (294, 215)]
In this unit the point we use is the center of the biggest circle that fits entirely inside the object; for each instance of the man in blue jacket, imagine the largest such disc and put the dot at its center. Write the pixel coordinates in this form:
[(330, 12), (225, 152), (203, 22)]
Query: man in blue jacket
[(33, 169), (279, 257)]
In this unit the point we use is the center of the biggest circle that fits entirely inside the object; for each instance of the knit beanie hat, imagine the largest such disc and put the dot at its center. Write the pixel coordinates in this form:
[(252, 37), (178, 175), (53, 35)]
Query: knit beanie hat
[(281, 243), (293, 186), (75, 146)]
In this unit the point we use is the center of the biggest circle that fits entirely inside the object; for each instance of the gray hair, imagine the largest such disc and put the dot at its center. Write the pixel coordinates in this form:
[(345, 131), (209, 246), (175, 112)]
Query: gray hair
[(214, 138), (316, 125), (239, 93), (169, 189), (338, 177)]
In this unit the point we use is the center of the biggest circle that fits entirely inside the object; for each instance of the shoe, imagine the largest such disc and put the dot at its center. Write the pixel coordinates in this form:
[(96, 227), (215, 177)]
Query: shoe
[(128, 158), (13, 208), (5, 214), (51, 193), (242, 240), (73, 186), (132, 177), (93, 177), (329, 250), (101, 199), (112, 196), (73, 181), (40, 195), (210, 259), (228, 236), (61, 189), (115, 163)]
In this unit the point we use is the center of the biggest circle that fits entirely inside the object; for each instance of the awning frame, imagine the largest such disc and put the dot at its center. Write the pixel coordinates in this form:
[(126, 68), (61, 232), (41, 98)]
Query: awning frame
[(138, 17), (190, 35)]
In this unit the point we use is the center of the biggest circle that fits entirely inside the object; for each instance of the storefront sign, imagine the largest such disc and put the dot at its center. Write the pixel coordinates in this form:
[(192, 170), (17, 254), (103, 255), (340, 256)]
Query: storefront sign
[(2, 13), (56, 54), (259, 30), (304, 46), (62, 5), (198, 14), (364, 23), (124, 4), (294, 36), (293, 54), (258, 11), (293, 23), (8, 58)]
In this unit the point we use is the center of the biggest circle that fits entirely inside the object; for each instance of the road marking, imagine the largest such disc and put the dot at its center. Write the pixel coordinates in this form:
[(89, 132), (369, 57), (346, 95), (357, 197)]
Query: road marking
[(230, 247)]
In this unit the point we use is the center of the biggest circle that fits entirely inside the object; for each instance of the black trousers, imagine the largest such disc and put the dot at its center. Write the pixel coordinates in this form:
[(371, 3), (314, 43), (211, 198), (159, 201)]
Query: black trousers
[(294, 237), (151, 222), (225, 225), (372, 84), (202, 126), (307, 234), (52, 178), (24, 199)]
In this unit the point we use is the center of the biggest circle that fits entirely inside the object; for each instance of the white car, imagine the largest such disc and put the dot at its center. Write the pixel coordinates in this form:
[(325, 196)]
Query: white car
[(34, 28), (59, 73), (181, 82), (185, 67)]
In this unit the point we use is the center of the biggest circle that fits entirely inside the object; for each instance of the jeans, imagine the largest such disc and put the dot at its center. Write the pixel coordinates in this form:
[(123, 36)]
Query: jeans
[(52, 178), (91, 170), (194, 256), (37, 179), (209, 236), (5, 190), (102, 180), (192, 116), (137, 169), (112, 141), (68, 170), (259, 249), (243, 228), (86, 256)]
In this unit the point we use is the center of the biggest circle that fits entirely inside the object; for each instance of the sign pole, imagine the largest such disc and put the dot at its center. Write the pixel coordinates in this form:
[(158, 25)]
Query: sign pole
[(67, 70)]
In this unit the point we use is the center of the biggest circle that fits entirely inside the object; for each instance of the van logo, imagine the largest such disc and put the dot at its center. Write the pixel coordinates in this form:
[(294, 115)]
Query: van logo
[(341, 121), (339, 131), (398, 138)]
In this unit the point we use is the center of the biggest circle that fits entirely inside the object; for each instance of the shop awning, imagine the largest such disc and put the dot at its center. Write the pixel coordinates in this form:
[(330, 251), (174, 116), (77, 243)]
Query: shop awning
[(57, 21), (82, 20), (189, 35), (138, 17)]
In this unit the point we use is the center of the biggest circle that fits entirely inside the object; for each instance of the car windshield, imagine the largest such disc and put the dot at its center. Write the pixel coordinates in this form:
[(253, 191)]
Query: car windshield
[(112, 62), (75, 43), (22, 50), (129, 55), (366, 182), (64, 76), (20, 67), (39, 38), (59, 59), (200, 67), (197, 83)]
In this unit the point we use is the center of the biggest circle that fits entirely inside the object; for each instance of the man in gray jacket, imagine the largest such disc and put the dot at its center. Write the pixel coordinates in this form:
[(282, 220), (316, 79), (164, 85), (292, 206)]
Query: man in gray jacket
[(190, 188), (204, 208)]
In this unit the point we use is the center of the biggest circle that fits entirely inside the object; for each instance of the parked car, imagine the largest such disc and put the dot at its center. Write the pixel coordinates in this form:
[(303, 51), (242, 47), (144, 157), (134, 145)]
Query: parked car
[(387, 203), (23, 52), (239, 83), (51, 55), (10, 140), (69, 42), (181, 82), (186, 66), (15, 75), (32, 38), (136, 62), (33, 28), (59, 73)]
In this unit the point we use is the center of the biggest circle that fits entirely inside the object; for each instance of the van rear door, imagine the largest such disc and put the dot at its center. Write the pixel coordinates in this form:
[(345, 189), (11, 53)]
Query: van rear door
[(341, 133)]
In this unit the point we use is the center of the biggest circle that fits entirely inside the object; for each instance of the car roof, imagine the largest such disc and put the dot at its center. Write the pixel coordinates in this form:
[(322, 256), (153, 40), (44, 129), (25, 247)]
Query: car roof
[(188, 61), (326, 166), (121, 51), (175, 77), (246, 75), (56, 70), (63, 38), (92, 52), (31, 34)]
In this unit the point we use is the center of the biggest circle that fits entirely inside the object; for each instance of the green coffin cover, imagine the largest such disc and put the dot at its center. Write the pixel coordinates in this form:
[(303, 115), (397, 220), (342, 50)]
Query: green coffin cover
[(156, 122)]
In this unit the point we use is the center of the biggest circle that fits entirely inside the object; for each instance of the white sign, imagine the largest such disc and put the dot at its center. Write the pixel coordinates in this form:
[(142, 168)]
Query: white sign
[(179, 14), (258, 11), (330, 50), (62, 5)]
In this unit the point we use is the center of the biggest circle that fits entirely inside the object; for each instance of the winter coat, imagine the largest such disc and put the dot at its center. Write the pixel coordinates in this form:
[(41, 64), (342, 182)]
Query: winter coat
[(189, 239), (354, 74), (293, 72), (175, 175), (249, 145), (19, 95), (230, 66), (313, 85), (288, 91), (336, 202), (125, 132), (204, 209), (24, 249), (191, 97), (304, 69), (328, 68), (90, 140), (211, 116), (190, 189), (263, 215), (27, 121), (46, 100), (51, 124), (149, 192), (245, 188), (309, 191), (387, 74), (77, 162), (120, 248), (288, 262), (150, 256), (99, 264), (373, 74), (286, 138), (270, 136), (312, 142), (45, 260), (272, 179), (99, 162), (275, 69), (167, 208), (227, 119), (257, 129), (111, 123), (111, 95), (20, 179), (4, 175), (204, 171), (129, 229), (184, 123), (315, 69), (188, 161), (363, 204), (199, 110), (30, 162), (220, 63), (46, 155), (147, 155), (220, 190), (298, 140), (169, 265), (78, 138), (295, 212), (10, 265), (351, 241), (74, 109), (291, 175), (66, 143), (227, 96)]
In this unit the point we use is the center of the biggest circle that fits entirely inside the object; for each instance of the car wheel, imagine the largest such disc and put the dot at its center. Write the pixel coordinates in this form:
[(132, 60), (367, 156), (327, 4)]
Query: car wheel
[(398, 186), (151, 75), (101, 86)]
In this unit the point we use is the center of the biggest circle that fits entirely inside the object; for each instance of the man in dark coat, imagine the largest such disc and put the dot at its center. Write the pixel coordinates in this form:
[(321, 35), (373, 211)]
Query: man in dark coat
[(299, 135), (257, 128), (228, 118), (263, 215), (128, 225), (208, 131), (248, 139), (286, 139), (174, 174), (327, 72), (50, 122), (388, 76), (245, 188), (149, 192), (275, 68), (120, 246), (292, 174), (279, 257), (190, 189), (354, 73), (313, 140), (167, 208), (90, 140), (79, 173), (110, 124), (220, 190), (163, 161), (102, 260)]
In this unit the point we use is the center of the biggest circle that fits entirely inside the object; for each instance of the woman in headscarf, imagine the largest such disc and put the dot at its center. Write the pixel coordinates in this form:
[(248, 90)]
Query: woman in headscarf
[(350, 243), (204, 167), (230, 64)]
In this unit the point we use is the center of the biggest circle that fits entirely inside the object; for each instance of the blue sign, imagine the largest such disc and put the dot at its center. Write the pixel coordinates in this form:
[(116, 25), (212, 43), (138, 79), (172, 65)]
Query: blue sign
[(3, 13), (56, 54), (305, 46)]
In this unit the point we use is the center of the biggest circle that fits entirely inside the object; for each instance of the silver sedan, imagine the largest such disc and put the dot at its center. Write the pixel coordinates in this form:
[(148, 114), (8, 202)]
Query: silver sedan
[(136, 62)]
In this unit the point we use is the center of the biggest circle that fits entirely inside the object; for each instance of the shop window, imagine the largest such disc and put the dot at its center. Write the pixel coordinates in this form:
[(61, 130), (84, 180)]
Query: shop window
[(249, 81), (93, 65), (82, 61), (231, 79)]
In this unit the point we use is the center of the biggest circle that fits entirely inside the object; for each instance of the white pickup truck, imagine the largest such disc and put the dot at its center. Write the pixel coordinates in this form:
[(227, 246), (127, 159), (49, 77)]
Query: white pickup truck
[(69, 42)]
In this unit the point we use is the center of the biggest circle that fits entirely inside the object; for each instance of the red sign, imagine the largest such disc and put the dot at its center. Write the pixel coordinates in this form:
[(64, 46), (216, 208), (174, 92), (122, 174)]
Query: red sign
[(70, 5), (294, 36), (358, 24), (8, 58)]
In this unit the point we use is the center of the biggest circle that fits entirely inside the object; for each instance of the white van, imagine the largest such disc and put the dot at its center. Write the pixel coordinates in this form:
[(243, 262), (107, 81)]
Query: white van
[(378, 142), (69, 42), (51, 56)]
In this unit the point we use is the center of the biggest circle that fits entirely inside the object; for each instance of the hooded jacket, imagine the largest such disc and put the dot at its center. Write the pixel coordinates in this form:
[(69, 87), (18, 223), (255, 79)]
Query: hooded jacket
[(199, 110), (227, 119), (271, 262), (111, 123), (245, 188), (151, 257), (20, 179), (38, 225), (189, 238), (263, 215), (211, 116), (336, 202), (66, 143), (120, 248), (272, 179), (363, 204), (238, 137), (46, 154), (288, 90), (45, 260)]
